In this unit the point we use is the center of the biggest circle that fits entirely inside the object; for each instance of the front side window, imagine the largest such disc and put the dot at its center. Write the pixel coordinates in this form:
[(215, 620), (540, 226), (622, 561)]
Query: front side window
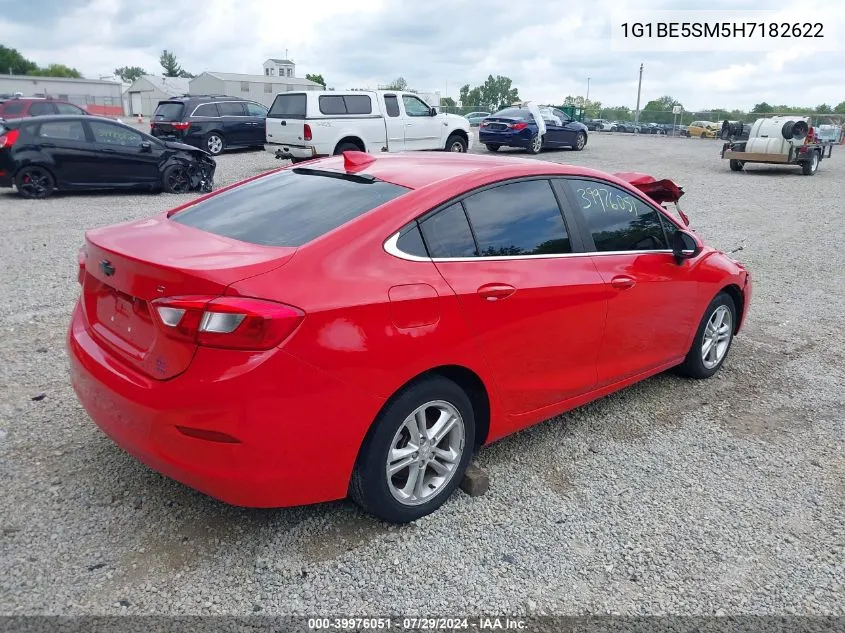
[(519, 218), (616, 219), (115, 135), (254, 109), (415, 106)]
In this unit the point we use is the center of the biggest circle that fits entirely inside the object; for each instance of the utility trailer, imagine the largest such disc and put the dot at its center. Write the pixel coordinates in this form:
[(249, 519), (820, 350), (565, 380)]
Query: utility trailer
[(779, 141)]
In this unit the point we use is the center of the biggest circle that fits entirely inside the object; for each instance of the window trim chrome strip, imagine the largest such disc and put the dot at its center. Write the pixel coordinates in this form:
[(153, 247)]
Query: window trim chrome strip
[(391, 248)]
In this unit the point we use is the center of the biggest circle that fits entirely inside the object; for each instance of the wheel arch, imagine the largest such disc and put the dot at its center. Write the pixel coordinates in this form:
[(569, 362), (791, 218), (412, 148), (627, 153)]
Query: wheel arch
[(457, 132), (736, 295), (355, 140)]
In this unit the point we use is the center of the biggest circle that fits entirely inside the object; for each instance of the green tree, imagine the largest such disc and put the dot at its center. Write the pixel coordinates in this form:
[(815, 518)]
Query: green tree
[(317, 79), (129, 74), (618, 113), (56, 70), (171, 66), (12, 62), (448, 102), (591, 108), (840, 109), (762, 108), (824, 109), (498, 93), (659, 110)]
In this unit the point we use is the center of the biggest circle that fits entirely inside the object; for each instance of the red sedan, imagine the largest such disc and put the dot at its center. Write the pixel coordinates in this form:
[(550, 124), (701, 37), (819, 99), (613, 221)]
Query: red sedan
[(358, 325)]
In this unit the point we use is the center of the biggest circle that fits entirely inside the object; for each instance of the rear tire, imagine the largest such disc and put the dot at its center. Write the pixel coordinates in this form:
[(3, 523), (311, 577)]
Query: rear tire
[(346, 147), (810, 167), (35, 182), (215, 144), (712, 340), (492, 147), (736, 165), (580, 141), (393, 442), (536, 144)]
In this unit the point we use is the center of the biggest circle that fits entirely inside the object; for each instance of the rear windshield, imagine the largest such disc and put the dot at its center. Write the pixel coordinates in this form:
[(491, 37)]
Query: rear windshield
[(289, 208), (168, 112), (512, 113), (290, 106)]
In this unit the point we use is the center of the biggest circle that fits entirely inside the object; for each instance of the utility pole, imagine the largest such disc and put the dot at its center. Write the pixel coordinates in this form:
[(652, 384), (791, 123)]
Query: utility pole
[(587, 100), (639, 91)]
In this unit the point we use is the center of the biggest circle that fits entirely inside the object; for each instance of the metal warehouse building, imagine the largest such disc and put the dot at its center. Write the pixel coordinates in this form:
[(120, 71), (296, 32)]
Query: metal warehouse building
[(96, 96), (145, 93), (259, 88)]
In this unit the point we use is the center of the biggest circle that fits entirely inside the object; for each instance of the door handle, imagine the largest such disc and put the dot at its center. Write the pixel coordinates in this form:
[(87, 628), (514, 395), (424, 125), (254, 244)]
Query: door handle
[(622, 282), (494, 292), (108, 150), (284, 122), (408, 124)]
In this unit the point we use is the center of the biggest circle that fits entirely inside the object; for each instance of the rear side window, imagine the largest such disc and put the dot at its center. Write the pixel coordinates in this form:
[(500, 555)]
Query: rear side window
[(520, 218), (289, 208), (411, 242), (345, 104), (289, 106), (168, 112), (447, 233), (231, 108), (391, 104), (207, 110), (13, 107), (62, 130), (617, 220)]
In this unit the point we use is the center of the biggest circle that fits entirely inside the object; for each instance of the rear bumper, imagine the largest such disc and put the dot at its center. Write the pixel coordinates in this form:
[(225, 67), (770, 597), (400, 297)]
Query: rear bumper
[(6, 179), (293, 431), (300, 152), (506, 139)]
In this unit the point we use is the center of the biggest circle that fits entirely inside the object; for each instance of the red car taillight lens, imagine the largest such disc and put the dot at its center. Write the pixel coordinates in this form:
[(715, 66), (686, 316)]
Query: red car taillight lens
[(519, 126), (8, 139), (483, 124), (180, 125), (227, 322), (306, 132)]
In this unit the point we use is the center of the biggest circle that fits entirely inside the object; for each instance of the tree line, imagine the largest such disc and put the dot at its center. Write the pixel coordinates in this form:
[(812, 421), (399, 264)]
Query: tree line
[(13, 63)]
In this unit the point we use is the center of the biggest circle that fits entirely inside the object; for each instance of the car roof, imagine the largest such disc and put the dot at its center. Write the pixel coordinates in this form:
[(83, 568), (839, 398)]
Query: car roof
[(421, 169), (46, 118)]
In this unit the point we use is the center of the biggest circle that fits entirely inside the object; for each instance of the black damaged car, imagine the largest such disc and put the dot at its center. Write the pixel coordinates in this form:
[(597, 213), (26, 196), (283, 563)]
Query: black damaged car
[(45, 154)]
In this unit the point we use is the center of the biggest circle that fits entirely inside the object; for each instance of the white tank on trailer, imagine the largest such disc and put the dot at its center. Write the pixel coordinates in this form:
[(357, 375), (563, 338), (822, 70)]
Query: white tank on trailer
[(767, 137)]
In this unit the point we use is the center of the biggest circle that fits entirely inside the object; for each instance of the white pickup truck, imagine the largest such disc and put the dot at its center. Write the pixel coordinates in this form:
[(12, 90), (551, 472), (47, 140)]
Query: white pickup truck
[(304, 125)]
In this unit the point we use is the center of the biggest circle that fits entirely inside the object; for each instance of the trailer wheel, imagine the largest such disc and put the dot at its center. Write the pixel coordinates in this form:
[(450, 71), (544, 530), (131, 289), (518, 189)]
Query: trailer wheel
[(736, 165), (810, 167)]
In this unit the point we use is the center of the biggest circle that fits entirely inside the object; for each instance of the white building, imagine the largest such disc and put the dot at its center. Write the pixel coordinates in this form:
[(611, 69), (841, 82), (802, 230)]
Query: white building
[(279, 68), (146, 91), (96, 96), (259, 88)]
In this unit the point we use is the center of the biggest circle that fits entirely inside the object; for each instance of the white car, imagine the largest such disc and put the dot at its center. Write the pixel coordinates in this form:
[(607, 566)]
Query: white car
[(305, 125)]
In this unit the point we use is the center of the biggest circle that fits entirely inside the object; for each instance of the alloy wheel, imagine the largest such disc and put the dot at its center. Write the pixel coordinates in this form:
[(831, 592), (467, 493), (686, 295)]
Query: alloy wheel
[(717, 337), (214, 144), (178, 180), (425, 453), (35, 183)]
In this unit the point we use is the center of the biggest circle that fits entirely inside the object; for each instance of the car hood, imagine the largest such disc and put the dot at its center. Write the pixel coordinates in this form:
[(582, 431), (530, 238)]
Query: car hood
[(456, 119), (183, 147)]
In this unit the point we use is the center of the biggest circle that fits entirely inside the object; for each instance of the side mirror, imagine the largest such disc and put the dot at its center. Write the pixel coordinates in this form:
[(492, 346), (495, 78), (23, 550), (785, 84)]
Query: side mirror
[(684, 246), (432, 112), (146, 146)]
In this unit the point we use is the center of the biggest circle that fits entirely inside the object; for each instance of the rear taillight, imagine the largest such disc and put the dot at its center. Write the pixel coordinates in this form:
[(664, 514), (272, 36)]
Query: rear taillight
[(519, 126), (227, 322), (181, 125), (306, 132), (8, 139), (811, 135), (81, 257), (483, 124)]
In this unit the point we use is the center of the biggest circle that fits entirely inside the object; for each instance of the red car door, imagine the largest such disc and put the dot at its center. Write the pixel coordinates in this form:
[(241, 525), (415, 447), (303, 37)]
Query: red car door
[(652, 306), (537, 309)]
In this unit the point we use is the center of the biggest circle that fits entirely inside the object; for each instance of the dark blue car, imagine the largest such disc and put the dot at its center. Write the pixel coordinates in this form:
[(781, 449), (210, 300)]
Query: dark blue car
[(515, 127)]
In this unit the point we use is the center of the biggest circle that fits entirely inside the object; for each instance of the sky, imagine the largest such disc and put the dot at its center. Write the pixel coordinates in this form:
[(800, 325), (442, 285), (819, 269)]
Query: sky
[(549, 48)]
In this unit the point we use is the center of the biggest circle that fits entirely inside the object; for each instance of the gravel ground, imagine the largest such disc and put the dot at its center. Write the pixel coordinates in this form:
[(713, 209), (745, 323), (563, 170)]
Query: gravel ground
[(721, 496)]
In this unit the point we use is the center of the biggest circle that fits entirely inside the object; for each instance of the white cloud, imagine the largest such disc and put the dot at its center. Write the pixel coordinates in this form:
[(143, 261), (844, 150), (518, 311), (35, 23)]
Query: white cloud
[(547, 48)]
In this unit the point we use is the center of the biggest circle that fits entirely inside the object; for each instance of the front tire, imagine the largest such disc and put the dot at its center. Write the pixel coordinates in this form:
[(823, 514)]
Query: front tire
[(416, 453), (736, 165), (35, 182), (712, 340), (215, 144), (176, 179), (456, 143)]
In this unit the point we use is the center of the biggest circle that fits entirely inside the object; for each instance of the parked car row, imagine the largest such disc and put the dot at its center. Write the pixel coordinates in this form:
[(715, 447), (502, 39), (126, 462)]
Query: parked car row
[(517, 127)]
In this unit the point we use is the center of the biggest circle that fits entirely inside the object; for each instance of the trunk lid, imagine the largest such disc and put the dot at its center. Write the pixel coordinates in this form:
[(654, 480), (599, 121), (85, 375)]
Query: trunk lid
[(129, 265), (285, 122)]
